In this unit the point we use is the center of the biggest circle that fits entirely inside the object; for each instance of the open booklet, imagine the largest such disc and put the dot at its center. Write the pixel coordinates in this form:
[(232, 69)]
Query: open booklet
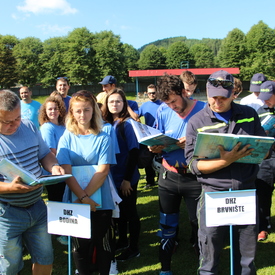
[(207, 145), (11, 170), (150, 136), (267, 123)]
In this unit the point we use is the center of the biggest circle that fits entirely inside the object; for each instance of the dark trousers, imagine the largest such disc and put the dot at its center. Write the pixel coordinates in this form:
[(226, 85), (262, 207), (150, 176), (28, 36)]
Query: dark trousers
[(95, 253), (56, 191), (129, 218), (264, 193), (172, 188), (150, 175), (211, 243)]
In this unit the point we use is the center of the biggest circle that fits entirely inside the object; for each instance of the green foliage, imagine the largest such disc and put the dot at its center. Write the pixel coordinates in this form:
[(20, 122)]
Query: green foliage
[(203, 56), (52, 60), (79, 57), (27, 53), (176, 53), (233, 50), (8, 64), (151, 58), (109, 55)]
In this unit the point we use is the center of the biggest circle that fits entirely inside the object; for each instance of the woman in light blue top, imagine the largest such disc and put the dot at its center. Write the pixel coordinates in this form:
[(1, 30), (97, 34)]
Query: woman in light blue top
[(52, 119)]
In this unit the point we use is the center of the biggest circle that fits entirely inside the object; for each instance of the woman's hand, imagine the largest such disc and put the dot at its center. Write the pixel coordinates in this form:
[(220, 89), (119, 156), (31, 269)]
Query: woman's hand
[(88, 200), (126, 188)]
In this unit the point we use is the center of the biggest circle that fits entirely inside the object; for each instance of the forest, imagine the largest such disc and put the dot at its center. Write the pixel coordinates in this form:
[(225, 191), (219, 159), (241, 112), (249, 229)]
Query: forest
[(86, 57)]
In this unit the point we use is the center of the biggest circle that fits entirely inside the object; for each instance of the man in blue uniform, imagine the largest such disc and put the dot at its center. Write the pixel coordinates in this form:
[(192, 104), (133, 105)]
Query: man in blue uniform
[(175, 182), (222, 115)]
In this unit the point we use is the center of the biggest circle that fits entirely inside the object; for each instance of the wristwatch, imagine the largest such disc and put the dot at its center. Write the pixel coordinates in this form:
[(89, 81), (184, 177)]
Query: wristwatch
[(56, 164)]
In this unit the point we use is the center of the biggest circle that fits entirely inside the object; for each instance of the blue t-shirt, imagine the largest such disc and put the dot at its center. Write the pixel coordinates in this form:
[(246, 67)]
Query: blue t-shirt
[(126, 144), (30, 111), (78, 150), (108, 128), (133, 105), (25, 148), (149, 111), (66, 101), (51, 133), (173, 125)]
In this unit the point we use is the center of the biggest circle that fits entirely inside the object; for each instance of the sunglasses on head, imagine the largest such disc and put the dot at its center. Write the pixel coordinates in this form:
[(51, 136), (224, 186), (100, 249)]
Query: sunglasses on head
[(62, 77), (220, 82)]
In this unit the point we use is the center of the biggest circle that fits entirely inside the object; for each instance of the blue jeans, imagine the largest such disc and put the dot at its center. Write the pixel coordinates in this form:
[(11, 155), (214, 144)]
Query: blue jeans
[(24, 225)]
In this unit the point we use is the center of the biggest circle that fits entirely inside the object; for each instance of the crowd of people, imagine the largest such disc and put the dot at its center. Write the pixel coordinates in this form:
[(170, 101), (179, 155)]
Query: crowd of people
[(83, 130)]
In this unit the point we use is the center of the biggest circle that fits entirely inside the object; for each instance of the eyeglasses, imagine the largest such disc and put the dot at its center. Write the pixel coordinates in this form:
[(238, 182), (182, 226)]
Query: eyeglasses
[(62, 77), (225, 83), (153, 93), (115, 101)]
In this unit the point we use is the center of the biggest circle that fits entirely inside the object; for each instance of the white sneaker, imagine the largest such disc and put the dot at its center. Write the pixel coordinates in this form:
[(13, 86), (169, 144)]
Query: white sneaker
[(113, 268)]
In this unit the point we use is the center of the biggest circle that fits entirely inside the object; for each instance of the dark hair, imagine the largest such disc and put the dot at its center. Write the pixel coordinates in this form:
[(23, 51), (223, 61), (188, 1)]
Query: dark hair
[(123, 115), (63, 79), (169, 84)]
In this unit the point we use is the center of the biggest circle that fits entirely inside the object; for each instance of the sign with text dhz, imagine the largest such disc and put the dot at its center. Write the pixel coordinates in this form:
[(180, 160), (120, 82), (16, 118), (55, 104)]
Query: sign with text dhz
[(69, 219), (230, 207)]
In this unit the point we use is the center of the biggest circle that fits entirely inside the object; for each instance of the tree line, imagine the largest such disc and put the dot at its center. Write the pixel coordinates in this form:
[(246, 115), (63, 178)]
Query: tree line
[(87, 57)]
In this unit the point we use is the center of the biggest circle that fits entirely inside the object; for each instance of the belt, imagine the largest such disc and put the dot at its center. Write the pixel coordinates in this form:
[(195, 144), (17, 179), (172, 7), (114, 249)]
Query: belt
[(181, 170), (28, 206)]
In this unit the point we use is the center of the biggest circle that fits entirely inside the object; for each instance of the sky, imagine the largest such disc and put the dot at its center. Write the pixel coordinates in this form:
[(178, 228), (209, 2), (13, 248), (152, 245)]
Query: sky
[(136, 22)]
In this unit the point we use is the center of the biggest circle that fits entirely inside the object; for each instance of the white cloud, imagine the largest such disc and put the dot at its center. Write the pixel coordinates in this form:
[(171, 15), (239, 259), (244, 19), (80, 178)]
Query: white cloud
[(46, 6), (54, 29)]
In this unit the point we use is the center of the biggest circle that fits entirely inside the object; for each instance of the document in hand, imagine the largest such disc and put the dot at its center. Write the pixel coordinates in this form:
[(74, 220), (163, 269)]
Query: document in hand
[(207, 145), (11, 170), (150, 136), (83, 174), (267, 123)]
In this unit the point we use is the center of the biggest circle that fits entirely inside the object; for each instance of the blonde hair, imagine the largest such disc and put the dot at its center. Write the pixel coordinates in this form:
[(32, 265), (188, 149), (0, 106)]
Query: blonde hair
[(96, 120)]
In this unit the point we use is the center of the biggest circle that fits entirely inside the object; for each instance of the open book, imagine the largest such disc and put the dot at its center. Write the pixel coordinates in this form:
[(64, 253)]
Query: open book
[(11, 170), (150, 136), (83, 175), (207, 145), (267, 123)]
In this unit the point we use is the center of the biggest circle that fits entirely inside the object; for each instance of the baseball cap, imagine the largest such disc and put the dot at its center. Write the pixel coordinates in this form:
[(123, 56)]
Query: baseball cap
[(220, 83), (256, 82), (109, 79), (267, 90)]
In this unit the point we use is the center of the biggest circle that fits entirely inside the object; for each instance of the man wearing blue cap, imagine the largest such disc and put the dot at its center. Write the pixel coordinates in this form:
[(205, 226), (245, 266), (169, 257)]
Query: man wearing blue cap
[(253, 100), (266, 174), (222, 115)]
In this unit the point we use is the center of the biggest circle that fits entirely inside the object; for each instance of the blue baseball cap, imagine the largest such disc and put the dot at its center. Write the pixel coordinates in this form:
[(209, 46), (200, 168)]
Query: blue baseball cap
[(109, 79), (220, 83), (267, 90), (256, 81)]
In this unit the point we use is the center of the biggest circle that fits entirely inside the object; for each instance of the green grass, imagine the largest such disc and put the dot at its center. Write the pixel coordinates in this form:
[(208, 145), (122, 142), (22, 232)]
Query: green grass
[(184, 261)]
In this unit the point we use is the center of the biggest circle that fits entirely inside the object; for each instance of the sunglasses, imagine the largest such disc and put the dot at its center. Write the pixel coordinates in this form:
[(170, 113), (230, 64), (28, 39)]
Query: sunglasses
[(220, 82), (153, 93), (63, 77)]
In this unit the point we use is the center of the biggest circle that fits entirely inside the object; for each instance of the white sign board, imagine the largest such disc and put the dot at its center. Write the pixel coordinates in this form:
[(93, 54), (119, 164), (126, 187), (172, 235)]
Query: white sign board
[(230, 208), (69, 219)]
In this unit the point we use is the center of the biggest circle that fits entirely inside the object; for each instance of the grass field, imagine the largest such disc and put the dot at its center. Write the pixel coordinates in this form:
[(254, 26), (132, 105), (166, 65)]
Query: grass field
[(184, 260)]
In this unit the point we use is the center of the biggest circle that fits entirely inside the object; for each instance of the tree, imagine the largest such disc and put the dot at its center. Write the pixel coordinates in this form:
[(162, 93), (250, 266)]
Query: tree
[(131, 56), (79, 57), (52, 60), (151, 58), (8, 73), (109, 55), (203, 56), (177, 53), (260, 44), (27, 53), (233, 49)]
